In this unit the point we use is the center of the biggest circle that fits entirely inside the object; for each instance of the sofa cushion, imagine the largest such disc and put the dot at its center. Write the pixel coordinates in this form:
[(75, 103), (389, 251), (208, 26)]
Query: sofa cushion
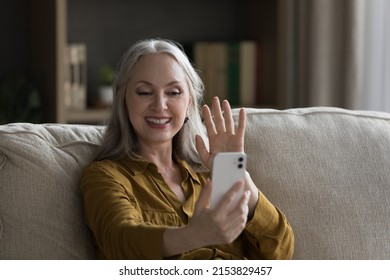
[(328, 170), (40, 202)]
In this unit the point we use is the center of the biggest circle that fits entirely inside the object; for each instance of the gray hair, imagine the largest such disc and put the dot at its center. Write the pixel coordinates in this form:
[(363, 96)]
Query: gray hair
[(120, 139)]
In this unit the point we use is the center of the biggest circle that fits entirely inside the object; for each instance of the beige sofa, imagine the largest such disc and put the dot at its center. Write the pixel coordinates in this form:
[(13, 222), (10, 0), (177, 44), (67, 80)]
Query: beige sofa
[(327, 169)]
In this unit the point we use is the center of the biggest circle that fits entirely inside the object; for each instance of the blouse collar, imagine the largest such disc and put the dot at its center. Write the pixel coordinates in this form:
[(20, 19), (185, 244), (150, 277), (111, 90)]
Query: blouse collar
[(139, 166)]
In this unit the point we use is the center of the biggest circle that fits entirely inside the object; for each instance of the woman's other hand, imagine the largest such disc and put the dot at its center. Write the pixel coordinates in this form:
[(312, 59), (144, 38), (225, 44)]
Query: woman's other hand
[(221, 225), (225, 222)]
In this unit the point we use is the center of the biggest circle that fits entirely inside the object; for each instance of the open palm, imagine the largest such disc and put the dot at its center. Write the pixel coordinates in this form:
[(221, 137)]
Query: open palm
[(221, 132)]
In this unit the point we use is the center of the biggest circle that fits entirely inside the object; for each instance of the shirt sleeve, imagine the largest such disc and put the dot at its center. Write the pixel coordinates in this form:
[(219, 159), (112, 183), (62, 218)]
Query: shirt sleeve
[(268, 233), (112, 215)]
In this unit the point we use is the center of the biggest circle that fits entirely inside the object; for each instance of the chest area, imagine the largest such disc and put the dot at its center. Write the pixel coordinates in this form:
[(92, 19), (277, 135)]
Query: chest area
[(164, 201)]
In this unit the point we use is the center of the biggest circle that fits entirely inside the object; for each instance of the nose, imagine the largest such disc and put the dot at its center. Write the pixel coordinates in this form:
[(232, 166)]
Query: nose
[(159, 102)]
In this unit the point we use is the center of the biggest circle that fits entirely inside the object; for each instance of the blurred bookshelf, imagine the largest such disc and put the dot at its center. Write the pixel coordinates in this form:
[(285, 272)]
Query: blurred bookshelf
[(106, 30), (87, 116)]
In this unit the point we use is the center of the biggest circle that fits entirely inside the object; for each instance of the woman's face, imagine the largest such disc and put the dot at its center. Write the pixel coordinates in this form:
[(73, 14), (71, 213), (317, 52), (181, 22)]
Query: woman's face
[(157, 99)]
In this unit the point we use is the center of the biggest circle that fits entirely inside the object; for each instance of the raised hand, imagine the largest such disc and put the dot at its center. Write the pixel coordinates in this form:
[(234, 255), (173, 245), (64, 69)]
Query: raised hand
[(221, 132)]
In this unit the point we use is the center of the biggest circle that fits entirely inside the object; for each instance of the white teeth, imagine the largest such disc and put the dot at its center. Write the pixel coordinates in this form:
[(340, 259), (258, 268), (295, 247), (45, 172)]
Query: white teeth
[(158, 121)]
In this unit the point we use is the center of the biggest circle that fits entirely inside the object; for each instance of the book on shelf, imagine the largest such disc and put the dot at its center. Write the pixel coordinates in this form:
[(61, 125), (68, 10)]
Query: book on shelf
[(229, 70), (75, 87)]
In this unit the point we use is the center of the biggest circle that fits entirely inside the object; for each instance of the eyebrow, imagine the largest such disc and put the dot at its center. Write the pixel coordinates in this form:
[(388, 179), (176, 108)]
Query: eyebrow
[(148, 83)]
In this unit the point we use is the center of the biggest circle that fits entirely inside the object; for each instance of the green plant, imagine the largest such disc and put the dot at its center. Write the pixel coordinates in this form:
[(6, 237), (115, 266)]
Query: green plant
[(106, 75), (19, 101)]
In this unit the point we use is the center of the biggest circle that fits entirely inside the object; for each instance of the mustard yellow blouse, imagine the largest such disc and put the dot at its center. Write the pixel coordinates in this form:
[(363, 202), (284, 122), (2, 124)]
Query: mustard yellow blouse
[(128, 206)]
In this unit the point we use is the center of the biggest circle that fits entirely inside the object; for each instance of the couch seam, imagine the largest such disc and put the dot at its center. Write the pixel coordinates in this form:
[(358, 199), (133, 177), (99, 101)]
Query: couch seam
[(1, 230), (75, 143), (48, 141), (359, 115), (3, 159)]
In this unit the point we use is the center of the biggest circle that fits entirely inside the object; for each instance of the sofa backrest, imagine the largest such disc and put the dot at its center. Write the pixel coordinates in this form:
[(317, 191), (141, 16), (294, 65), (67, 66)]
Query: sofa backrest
[(40, 202), (328, 170)]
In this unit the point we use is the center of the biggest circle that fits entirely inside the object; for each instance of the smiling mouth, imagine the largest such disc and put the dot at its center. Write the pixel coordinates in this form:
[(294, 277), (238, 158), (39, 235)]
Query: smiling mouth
[(158, 121)]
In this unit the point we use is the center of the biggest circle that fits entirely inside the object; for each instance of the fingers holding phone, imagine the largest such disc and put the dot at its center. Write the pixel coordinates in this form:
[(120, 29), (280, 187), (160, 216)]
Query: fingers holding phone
[(224, 223)]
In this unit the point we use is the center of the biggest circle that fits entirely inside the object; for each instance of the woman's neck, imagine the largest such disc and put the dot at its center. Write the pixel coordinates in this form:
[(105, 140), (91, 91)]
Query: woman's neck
[(161, 156)]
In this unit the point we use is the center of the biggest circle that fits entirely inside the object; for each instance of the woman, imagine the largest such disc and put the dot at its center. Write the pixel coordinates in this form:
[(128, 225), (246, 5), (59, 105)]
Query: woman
[(146, 194)]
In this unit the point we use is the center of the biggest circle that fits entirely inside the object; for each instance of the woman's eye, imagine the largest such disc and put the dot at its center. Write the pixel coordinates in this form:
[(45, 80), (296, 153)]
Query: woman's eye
[(144, 93), (174, 93)]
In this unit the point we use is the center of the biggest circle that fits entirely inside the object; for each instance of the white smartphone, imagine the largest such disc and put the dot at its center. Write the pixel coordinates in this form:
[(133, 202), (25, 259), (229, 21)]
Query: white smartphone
[(228, 168)]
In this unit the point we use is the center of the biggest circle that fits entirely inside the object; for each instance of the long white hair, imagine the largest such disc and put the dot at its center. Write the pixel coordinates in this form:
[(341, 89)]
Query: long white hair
[(120, 140)]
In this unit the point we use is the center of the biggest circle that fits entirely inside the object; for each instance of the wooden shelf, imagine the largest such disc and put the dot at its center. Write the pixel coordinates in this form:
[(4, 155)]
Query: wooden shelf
[(89, 116), (51, 27)]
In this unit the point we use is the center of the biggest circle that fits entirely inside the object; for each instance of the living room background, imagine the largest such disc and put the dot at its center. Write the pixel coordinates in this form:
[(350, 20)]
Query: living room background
[(310, 53)]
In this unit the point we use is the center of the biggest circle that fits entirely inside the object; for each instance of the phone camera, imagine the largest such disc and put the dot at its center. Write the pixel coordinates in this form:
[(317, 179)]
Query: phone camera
[(240, 159), (240, 166)]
